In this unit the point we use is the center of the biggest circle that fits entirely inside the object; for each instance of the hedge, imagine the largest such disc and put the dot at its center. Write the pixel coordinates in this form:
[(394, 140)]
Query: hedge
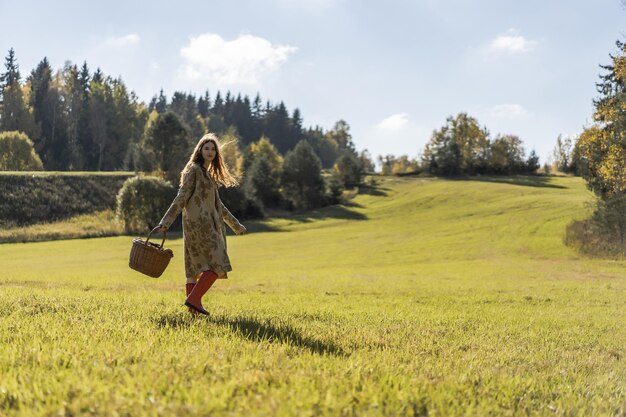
[(39, 197)]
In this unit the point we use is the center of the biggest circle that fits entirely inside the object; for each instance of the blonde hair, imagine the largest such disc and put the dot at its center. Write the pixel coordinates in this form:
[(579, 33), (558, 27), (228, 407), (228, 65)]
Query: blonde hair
[(218, 170)]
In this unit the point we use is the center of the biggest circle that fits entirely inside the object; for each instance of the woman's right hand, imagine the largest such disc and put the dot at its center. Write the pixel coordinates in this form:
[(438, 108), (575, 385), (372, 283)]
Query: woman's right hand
[(161, 228)]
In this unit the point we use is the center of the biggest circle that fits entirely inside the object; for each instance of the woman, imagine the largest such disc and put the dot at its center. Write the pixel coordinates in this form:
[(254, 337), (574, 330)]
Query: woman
[(204, 215)]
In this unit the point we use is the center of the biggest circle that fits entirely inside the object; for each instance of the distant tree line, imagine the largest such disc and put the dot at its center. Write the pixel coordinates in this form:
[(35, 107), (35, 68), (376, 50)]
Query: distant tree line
[(463, 147), (79, 120)]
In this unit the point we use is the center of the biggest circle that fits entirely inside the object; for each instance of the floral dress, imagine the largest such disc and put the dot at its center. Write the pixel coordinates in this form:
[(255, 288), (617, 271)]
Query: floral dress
[(204, 233)]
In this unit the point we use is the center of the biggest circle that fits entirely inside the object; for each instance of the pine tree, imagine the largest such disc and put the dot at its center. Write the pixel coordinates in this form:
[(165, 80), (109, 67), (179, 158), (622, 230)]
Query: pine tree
[(302, 178), (14, 113), (169, 141), (204, 105)]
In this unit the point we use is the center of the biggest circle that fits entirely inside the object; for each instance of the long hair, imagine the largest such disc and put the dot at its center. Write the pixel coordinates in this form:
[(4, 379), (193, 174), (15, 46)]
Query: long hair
[(218, 170)]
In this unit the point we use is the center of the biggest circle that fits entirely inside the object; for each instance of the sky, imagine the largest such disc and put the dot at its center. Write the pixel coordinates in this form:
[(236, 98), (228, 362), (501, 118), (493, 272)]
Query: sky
[(394, 70)]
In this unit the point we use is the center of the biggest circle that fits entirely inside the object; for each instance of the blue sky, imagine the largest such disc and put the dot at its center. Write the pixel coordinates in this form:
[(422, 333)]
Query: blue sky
[(393, 70)]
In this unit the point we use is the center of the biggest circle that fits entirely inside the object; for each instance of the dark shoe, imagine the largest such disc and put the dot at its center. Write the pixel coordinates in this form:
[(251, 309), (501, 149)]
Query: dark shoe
[(196, 309), (194, 300)]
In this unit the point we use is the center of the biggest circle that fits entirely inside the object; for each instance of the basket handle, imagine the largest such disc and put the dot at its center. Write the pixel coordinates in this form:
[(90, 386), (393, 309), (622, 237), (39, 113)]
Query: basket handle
[(152, 231)]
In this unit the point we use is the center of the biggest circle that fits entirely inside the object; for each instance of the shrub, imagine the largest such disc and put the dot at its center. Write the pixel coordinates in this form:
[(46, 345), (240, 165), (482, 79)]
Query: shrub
[(42, 197), (17, 153), (604, 233), (142, 202)]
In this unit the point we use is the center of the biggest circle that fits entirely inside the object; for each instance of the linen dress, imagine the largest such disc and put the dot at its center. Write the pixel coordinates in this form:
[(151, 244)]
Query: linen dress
[(204, 233)]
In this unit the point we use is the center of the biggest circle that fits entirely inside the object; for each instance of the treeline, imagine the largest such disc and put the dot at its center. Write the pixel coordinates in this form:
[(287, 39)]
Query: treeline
[(463, 147), (80, 120)]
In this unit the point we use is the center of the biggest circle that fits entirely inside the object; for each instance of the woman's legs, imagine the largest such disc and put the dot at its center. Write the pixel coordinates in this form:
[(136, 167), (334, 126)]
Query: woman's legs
[(194, 300)]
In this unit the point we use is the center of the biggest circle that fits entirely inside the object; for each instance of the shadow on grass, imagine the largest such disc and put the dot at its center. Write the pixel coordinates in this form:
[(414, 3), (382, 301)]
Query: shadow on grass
[(373, 190), (523, 180), (254, 330), (258, 331), (332, 212)]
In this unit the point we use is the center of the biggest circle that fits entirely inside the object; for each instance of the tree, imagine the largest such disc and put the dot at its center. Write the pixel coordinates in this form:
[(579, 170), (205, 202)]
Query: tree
[(532, 163), (99, 114), (263, 183), (366, 161), (507, 155), (302, 180), (46, 101), (602, 146), (601, 155), (348, 170), (263, 147), (324, 146), (168, 139), (562, 154), (17, 153), (14, 113), (459, 147)]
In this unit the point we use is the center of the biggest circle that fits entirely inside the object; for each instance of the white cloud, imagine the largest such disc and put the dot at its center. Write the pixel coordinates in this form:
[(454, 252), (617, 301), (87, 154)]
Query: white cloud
[(509, 111), (241, 61), (511, 43), (396, 135), (127, 40), (394, 122)]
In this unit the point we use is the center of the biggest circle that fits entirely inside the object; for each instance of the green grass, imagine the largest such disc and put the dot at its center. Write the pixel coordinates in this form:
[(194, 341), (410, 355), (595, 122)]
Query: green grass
[(421, 297), (98, 224)]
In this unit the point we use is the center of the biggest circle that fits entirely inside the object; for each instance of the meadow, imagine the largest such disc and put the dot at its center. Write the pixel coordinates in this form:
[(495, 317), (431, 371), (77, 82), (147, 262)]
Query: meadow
[(421, 297)]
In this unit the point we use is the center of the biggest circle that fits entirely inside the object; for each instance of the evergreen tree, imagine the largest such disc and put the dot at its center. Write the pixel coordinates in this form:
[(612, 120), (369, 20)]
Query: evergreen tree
[(263, 183), (14, 113), (204, 105), (302, 180), (532, 163), (72, 93), (100, 99), (324, 146), (84, 137), (47, 103), (169, 141)]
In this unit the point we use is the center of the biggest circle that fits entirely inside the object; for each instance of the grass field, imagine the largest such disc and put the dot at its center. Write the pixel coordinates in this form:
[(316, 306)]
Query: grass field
[(422, 297)]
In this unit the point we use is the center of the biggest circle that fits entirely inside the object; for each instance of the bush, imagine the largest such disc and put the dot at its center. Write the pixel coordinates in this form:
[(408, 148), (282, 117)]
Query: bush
[(17, 153), (604, 233), (31, 198), (142, 202)]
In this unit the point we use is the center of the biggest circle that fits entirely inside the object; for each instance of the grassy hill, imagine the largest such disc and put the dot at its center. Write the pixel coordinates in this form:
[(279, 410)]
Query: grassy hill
[(422, 297)]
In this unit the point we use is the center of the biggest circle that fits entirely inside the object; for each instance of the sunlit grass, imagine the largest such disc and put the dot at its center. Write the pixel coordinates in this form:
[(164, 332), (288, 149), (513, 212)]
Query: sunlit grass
[(97, 224), (421, 297)]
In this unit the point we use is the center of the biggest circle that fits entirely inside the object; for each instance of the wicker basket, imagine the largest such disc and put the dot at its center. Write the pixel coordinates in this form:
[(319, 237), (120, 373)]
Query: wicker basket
[(149, 258)]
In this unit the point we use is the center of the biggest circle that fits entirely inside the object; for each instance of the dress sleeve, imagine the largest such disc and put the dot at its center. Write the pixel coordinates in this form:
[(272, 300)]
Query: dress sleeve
[(229, 219), (180, 201)]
